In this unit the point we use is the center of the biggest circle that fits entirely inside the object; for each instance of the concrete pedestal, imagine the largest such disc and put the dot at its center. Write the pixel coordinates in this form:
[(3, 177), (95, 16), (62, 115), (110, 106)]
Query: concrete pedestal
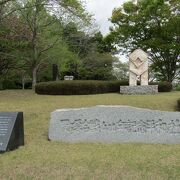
[(149, 89)]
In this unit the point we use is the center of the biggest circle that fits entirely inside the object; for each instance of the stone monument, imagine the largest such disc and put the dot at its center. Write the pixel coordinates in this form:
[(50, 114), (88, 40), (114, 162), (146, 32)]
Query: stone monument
[(55, 72), (115, 124), (138, 70), (68, 78), (138, 67), (11, 131)]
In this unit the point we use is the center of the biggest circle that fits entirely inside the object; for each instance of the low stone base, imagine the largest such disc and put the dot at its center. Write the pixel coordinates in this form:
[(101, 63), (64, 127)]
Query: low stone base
[(149, 89)]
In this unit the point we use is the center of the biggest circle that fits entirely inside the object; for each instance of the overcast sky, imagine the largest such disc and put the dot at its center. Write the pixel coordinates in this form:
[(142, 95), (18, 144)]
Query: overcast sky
[(102, 10)]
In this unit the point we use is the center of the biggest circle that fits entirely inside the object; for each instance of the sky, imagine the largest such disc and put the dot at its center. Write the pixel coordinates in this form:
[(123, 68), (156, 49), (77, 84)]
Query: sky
[(102, 10)]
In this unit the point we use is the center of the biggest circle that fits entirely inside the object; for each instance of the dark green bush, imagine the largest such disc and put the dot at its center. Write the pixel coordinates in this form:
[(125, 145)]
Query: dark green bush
[(177, 87), (163, 86), (78, 87), (14, 84), (1, 85), (178, 104), (11, 84)]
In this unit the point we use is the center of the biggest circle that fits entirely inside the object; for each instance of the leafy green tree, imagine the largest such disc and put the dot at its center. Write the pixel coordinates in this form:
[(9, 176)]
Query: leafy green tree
[(78, 41), (42, 33), (103, 43), (93, 61), (97, 66), (120, 70), (152, 25), (3, 2), (5, 61), (13, 41), (36, 15)]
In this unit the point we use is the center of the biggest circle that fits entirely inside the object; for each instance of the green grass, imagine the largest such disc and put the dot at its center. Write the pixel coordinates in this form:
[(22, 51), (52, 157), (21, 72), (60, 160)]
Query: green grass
[(41, 159)]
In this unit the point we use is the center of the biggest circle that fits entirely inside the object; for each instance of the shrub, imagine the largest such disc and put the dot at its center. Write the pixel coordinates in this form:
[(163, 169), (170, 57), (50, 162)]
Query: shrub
[(178, 87), (178, 104), (14, 84), (88, 87), (11, 84), (163, 86), (1, 85), (78, 87)]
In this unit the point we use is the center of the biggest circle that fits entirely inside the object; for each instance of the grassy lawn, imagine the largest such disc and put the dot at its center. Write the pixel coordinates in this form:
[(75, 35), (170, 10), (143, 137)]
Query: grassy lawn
[(41, 159)]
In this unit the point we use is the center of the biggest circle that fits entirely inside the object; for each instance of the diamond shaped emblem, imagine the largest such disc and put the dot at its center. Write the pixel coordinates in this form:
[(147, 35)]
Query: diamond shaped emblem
[(138, 62), (138, 57)]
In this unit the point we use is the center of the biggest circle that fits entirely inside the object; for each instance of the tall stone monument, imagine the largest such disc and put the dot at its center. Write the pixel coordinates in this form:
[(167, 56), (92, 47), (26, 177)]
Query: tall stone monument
[(138, 67), (138, 70), (55, 72)]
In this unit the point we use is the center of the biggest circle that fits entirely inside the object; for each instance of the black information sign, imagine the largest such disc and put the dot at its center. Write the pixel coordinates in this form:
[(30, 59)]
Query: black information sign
[(11, 130)]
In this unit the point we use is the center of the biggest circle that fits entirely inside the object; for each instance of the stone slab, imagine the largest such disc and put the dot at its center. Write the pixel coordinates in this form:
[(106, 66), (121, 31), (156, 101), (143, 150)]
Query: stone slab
[(68, 78), (11, 131), (115, 124), (149, 89)]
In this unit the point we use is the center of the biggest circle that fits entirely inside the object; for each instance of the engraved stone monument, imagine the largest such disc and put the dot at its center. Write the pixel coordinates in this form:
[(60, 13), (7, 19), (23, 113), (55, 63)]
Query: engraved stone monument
[(138, 69), (11, 131), (115, 124)]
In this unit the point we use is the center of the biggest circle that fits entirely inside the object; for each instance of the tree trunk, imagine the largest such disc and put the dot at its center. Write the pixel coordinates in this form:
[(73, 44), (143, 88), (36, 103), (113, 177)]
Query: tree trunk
[(34, 80), (23, 82)]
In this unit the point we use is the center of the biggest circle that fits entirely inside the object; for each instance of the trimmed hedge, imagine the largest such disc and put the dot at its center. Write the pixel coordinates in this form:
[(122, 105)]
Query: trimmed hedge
[(78, 87), (163, 86), (178, 104)]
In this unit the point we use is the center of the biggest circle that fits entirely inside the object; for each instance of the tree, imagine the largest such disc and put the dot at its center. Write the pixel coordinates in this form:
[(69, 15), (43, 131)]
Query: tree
[(5, 61), (103, 43), (97, 66), (83, 45), (154, 27), (3, 2), (78, 41), (36, 15), (120, 70), (13, 40)]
